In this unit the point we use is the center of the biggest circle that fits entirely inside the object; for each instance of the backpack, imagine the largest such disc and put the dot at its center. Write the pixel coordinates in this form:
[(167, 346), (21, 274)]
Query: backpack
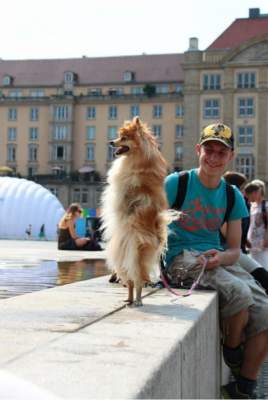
[(183, 177)]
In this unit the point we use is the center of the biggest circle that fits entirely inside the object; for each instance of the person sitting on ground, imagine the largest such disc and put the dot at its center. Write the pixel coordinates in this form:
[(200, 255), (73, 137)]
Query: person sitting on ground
[(248, 263), (243, 303), (67, 237), (258, 228)]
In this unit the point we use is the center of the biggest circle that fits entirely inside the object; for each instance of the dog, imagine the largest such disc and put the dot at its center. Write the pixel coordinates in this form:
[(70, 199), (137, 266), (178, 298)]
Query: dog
[(134, 205)]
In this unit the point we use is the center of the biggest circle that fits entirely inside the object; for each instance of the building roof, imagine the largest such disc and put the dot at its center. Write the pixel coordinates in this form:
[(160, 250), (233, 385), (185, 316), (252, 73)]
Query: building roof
[(94, 71), (241, 30)]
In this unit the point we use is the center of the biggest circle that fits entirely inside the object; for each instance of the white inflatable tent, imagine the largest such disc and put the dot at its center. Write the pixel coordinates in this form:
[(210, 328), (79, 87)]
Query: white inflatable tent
[(24, 202)]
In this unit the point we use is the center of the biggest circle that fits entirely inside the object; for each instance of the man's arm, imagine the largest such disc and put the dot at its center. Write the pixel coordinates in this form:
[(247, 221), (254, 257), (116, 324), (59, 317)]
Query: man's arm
[(233, 241)]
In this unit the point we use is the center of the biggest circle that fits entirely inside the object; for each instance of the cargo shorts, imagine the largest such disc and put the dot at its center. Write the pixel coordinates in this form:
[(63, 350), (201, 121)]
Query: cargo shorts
[(237, 290)]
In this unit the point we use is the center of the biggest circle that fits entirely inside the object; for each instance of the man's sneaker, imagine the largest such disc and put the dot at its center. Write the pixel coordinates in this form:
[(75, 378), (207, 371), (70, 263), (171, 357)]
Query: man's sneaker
[(231, 391)]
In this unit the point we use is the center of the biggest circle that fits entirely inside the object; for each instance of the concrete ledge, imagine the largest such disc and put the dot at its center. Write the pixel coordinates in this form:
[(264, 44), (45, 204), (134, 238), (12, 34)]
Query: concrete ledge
[(79, 342)]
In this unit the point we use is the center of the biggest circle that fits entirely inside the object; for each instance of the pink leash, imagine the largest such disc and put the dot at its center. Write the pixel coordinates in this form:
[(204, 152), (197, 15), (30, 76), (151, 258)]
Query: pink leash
[(195, 283)]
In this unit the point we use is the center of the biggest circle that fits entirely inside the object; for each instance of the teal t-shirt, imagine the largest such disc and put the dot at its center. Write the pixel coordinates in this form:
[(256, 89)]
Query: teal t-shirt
[(203, 213)]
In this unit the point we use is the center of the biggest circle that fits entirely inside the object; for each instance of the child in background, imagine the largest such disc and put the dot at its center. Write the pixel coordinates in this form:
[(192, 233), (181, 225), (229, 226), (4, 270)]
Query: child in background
[(248, 263), (258, 229)]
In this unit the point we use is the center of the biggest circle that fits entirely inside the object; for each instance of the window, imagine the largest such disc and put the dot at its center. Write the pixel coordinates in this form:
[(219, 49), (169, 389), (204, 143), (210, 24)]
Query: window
[(112, 132), (11, 134), (33, 133), (32, 152), (245, 164), (68, 77), (37, 93), (178, 151), (178, 88), (91, 112), (179, 131), (157, 111), (84, 196), (14, 93), (60, 132), (246, 107), (11, 152), (211, 108), (157, 130), (161, 89), (110, 153), (12, 114), (59, 152), (95, 92), (246, 135), (34, 114), (179, 110), (211, 82), (76, 195), (91, 132), (137, 90), (115, 91), (54, 191), (32, 171), (61, 113), (90, 152), (112, 112), (246, 80), (7, 80), (129, 76), (134, 110)]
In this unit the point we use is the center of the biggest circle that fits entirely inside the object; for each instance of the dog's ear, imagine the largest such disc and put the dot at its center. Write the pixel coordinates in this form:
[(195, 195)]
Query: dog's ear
[(137, 121)]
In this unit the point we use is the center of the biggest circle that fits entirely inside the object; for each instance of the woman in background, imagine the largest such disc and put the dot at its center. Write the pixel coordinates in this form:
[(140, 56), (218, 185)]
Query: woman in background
[(67, 237)]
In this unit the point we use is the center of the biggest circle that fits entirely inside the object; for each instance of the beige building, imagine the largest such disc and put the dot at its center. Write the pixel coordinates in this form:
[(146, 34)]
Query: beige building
[(58, 116), (229, 82)]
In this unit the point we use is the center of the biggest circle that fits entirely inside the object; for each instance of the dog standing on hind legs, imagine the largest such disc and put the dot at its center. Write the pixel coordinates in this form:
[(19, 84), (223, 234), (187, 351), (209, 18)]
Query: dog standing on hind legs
[(134, 216)]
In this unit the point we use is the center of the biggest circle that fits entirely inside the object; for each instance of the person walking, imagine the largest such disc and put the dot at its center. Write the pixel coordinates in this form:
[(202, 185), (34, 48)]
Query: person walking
[(42, 234), (28, 231)]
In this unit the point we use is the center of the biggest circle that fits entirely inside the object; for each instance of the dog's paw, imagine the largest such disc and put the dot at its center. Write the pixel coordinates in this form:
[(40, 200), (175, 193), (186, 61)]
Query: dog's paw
[(137, 303), (129, 302)]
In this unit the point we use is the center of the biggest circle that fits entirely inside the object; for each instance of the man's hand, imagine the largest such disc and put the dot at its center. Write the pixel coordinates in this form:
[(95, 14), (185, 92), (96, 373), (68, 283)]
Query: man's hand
[(214, 258)]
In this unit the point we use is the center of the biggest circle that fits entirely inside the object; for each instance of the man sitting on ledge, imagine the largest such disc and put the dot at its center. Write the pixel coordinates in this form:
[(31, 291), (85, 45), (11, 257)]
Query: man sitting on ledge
[(243, 304)]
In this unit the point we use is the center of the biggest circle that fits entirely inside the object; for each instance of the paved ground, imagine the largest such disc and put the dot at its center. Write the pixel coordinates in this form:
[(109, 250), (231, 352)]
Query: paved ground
[(42, 250)]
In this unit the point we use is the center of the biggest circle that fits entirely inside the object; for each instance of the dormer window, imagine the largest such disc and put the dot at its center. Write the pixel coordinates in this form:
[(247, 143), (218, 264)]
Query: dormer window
[(129, 76), (7, 80), (70, 77)]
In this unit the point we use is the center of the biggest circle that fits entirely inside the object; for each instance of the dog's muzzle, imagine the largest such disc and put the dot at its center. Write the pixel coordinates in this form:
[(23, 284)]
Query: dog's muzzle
[(120, 149)]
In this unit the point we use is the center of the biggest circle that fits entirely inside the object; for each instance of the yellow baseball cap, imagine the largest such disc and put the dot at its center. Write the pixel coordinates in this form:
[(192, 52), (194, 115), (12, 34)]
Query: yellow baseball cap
[(219, 132)]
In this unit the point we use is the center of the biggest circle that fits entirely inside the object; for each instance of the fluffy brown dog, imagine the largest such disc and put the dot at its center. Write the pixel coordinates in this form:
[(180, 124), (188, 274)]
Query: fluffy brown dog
[(133, 207)]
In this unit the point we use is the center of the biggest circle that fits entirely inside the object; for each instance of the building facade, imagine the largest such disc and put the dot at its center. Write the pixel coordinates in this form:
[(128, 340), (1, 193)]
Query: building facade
[(58, 116), (229, 82)]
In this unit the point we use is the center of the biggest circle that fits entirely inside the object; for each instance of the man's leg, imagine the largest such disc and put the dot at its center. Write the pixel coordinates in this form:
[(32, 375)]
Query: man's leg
[(233, 328), (255, 352)]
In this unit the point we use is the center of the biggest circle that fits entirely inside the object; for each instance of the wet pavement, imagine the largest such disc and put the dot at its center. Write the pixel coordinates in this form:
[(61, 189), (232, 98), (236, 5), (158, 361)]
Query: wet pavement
[(19, 277)]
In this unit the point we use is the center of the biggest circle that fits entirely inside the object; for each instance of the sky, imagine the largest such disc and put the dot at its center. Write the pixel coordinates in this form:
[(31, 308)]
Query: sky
[(35, 29)]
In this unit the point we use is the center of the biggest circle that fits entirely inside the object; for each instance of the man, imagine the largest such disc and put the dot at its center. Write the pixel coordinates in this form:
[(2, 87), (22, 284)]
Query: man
[(243, 304)]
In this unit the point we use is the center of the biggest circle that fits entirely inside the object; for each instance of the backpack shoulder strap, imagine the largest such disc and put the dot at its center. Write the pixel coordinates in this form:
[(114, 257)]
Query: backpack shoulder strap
[(264, 216), (183, 177), (230, 193)]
